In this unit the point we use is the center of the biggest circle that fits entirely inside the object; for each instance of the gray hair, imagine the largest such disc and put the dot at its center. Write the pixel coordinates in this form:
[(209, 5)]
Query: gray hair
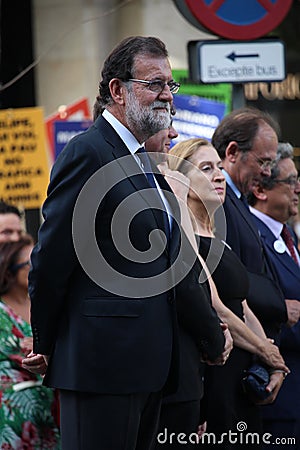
[(121, 62), (285, 150)]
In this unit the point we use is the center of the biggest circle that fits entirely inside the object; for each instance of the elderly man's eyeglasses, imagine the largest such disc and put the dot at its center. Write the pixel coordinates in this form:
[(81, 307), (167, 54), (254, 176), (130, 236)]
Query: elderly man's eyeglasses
[(158, 85), (264, 163), (291, 181)]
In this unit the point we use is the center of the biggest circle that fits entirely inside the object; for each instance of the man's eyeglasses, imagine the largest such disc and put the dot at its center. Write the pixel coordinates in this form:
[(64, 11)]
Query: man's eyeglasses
[(291, 181), (264, 163), (158, 85)]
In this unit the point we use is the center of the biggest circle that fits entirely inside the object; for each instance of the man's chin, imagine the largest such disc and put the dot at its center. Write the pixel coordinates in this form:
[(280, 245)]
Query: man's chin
[(163, 119)]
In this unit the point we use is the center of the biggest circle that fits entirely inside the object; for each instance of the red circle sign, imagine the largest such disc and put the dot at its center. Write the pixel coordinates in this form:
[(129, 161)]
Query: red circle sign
[(239, 19)]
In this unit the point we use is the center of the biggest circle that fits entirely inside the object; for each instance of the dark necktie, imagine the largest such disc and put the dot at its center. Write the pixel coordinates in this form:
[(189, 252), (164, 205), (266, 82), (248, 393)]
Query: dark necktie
[(287, 237), (142, 154)]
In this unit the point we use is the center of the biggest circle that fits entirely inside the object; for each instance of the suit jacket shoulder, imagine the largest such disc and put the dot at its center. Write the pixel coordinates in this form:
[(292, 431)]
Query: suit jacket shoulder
[(241, 233)]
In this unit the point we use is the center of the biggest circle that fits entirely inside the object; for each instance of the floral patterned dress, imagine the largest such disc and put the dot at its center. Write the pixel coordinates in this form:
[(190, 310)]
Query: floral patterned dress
[(27, 409)]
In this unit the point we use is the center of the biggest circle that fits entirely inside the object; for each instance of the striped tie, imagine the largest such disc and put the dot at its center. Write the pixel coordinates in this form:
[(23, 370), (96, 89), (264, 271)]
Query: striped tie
[(287, 237)]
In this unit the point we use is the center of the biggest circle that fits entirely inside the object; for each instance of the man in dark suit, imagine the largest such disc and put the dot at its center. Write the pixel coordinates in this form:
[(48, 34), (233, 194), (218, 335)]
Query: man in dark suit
[(274, 201), (246, 141), (109, 256), (180, 411)]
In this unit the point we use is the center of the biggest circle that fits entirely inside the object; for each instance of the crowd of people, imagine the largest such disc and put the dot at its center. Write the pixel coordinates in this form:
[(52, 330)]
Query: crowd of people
[(29, 412), (162, 280)]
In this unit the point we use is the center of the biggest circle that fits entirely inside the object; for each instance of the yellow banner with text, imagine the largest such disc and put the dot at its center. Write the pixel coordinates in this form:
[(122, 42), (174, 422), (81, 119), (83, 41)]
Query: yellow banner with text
[(24, 163)]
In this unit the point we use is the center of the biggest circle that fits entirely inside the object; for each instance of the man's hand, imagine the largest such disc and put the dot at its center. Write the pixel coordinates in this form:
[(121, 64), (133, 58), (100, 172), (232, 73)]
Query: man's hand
[(35, 363), (276, 380), (221, 360), (293, 311), (26, 344), (202, 429), (269, 353)]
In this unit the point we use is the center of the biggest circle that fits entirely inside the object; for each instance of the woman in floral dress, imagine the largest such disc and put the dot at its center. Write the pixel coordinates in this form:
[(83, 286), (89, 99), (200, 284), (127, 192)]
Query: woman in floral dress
[(28, 410)]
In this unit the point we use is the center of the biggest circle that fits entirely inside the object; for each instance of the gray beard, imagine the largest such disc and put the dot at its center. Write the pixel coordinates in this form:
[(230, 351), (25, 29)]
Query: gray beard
[(143, 120)]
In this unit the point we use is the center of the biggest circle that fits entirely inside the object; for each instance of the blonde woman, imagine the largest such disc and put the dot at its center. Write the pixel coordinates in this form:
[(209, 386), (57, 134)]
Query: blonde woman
[(225, 402)]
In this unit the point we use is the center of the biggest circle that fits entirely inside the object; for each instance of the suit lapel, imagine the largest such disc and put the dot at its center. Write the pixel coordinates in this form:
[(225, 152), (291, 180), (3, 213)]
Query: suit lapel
[(244, 213), (283, 258), (137, 178)]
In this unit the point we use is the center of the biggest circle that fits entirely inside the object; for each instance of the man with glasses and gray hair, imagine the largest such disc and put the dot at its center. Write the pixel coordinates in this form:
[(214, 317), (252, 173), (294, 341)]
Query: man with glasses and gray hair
[(104, 271), (246, 141), (274, 200)]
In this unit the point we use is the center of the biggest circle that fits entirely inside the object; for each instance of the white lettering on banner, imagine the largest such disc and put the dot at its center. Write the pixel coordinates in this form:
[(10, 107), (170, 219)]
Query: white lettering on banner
[(196, 117), (192, 129), (64, 136)]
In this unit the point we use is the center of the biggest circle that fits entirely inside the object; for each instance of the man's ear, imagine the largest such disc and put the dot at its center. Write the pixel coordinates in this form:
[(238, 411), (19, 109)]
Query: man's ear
[(232, 151), (117, 91), (259, 192)]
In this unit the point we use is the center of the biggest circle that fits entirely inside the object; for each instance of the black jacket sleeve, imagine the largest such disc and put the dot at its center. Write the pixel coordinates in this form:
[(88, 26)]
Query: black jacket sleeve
[(197, 315)]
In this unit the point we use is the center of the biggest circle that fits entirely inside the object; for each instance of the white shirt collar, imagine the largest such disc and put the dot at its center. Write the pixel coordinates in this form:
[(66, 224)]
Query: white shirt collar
[(272, 224), (231, 183), (127, 137)]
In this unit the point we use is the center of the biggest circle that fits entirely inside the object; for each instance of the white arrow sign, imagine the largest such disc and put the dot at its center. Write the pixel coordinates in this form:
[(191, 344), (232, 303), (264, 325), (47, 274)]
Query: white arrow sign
[(238, 62)]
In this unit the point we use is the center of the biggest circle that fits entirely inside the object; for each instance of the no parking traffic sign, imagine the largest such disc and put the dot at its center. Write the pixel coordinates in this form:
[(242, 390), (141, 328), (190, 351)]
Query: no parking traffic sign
[(235, 19)]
